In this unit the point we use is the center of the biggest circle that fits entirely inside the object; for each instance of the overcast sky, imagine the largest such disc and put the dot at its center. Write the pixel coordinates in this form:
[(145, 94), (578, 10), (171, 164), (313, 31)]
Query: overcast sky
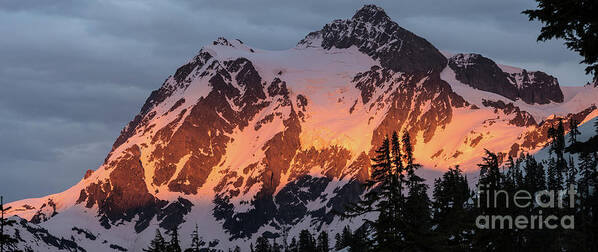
[(74, 72)]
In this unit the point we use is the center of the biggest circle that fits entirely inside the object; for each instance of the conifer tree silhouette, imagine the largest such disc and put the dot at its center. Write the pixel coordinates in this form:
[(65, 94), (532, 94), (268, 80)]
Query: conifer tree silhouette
[(322, 242), (573, 130), (307, 242), (196, 241), (382, 198), (452, 211), (158, 244), (572, 21), (6, 242), (174, 245), (262, 245)]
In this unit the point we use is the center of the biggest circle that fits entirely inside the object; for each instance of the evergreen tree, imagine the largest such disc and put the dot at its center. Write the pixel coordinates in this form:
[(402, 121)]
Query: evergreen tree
[(196, 241), (403, 222), (490, 176), (552, 182), (262, 245), (417, 214), (587, 201), (322, 244), (574, 131), (587, 172), (397, 160), (383, 197), (572, 21), (360, 243), (534, 179), (293, 247), (343, 239), (347, 234), (397, 184), (512, 169), (6, 242), (513, 182), (408, 148), (514, 173), (338, 243), (158, 244), (307, 242), (276, 247), (592, 220), (174, 245), (572, 171), (558, 148), (491, 183), (285, 237), (452, 212)]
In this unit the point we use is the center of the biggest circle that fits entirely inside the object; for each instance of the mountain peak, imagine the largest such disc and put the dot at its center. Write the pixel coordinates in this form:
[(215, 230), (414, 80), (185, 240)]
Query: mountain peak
[(371, 13), (375, 34)]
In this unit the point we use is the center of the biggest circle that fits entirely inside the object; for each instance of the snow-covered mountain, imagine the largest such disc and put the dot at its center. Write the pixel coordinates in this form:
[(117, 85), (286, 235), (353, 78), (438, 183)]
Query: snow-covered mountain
[(243, 141)]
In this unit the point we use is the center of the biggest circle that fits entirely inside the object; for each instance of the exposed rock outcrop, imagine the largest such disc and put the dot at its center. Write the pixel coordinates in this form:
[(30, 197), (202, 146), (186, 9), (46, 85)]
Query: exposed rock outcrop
[(520, 119), (484, 74), (375, 34)]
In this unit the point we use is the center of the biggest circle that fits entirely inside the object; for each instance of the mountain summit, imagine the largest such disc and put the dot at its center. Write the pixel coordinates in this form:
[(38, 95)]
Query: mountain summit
[(371, 14), (244, 142), (376, 35)]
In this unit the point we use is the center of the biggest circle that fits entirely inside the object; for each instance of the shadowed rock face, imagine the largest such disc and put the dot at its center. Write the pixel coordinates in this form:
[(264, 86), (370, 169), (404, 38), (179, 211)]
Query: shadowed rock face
[(280, 151), (484, 74), (172, 216), (45, 212), (124, 195), (159, 95), (537, 87), (376, 35), (42, 235), (521, 119), (293, 196), (369, 81)]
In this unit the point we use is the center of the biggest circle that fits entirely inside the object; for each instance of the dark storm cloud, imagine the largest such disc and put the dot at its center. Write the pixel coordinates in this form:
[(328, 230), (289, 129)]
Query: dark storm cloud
[(73, 72)]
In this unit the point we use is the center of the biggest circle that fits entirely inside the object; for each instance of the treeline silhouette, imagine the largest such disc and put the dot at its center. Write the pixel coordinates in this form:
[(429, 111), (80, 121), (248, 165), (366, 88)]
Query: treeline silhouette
[(7, 243)]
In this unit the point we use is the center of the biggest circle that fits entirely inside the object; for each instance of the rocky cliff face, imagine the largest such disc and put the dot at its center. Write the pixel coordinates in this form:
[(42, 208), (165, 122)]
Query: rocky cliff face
[(482, 73), (245, 142), (376, 35)]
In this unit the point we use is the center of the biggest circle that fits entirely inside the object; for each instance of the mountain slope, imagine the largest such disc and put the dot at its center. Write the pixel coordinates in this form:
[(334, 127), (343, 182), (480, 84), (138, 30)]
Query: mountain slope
[(244, 141)]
